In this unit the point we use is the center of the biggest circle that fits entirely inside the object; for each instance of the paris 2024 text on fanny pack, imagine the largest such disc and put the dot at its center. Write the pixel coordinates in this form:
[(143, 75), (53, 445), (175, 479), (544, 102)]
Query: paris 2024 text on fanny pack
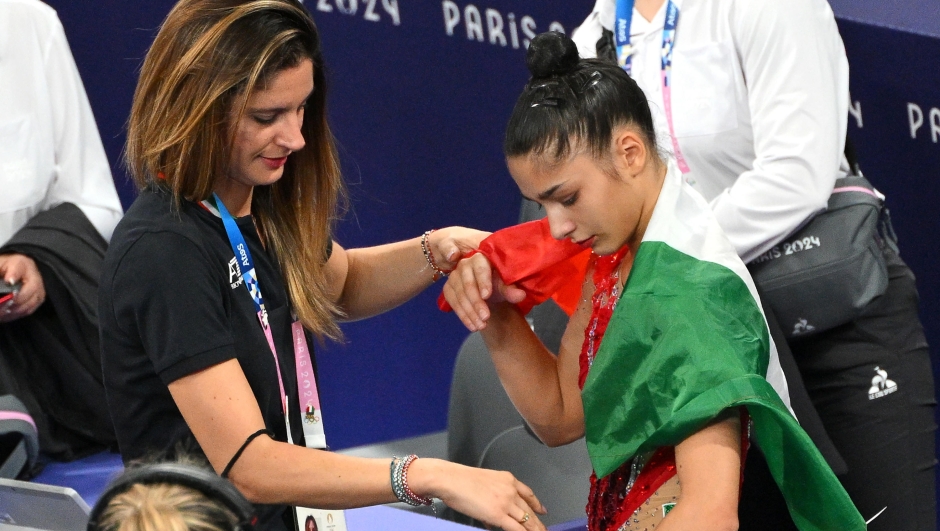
[(824, 274)]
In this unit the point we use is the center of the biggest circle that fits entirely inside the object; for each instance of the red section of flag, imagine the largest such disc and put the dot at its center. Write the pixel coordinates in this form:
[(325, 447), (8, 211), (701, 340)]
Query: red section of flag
[(529, 257)]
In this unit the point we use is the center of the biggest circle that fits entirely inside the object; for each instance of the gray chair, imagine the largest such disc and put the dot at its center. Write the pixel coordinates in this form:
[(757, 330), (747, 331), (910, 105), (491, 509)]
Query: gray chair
[(484, 429), (479, 408), (558, 476)]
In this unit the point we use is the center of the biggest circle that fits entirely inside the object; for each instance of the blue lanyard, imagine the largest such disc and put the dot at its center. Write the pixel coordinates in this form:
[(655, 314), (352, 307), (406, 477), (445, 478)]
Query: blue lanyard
[(622, 23), (669, 37), (309, 396), (624, 18), (246, 265)]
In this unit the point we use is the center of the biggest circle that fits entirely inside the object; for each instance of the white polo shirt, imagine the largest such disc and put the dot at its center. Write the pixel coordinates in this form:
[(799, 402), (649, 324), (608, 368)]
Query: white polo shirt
[(760, 105), (50, 150)]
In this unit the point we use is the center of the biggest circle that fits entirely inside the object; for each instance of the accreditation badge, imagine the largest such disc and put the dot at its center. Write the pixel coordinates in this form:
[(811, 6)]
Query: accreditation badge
[(319, 519)]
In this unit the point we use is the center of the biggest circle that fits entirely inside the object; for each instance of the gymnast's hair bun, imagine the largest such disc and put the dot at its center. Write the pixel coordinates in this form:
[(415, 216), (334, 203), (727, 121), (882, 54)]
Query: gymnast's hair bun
[(551, 54)]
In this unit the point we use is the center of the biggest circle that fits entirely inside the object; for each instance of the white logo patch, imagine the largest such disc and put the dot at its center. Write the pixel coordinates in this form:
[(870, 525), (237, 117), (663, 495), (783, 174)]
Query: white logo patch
[(234, 273), (881, 385), (802, 327)]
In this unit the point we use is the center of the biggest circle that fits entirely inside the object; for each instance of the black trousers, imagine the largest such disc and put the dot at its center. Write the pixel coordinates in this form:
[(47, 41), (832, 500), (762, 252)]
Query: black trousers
[(871, 382)]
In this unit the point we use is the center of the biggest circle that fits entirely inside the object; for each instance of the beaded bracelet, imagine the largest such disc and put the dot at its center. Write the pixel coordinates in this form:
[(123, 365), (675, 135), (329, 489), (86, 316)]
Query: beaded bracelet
[(429, 256), (399, 479)]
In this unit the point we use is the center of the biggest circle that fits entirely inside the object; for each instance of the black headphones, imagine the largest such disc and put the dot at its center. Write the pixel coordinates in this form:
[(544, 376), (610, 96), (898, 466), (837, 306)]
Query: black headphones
[(200, 479)]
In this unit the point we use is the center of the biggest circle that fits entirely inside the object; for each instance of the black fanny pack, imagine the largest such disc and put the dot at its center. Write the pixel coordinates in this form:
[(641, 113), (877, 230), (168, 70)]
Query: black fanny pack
[(824, 274)]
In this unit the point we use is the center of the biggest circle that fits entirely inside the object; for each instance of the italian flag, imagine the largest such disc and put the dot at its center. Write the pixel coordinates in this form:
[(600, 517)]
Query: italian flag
[(688, 340)]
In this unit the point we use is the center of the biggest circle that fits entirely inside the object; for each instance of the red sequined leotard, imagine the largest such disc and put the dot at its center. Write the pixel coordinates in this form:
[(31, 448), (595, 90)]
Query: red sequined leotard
[(614, 499)]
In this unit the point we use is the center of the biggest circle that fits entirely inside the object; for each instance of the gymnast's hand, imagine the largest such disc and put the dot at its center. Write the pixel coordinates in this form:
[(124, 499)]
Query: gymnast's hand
[(473, 286), (21, 268)]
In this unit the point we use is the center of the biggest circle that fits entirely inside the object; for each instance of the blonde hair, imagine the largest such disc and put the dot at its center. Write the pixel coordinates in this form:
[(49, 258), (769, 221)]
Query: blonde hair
[(207, 58), (165, 507)]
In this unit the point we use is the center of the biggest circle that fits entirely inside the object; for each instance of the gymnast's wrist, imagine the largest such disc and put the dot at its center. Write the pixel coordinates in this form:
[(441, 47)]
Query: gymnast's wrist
[(504, 323)]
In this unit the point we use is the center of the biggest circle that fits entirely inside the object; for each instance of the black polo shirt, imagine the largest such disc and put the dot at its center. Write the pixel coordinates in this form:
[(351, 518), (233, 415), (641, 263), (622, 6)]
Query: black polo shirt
[(171, 304)]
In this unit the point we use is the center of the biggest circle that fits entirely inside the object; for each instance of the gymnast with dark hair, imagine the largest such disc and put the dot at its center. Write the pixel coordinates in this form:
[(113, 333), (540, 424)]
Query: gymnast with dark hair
[(752, 99), (667, 364), (225, 266)]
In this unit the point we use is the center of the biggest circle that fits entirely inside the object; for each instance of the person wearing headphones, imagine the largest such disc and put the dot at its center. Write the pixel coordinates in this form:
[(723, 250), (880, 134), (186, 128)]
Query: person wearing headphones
[(225, 265), (174, 495)]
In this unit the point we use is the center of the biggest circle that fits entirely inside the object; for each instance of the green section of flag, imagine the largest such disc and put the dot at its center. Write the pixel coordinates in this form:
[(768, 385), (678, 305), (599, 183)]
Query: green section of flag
[(681, 326), (686, 342)]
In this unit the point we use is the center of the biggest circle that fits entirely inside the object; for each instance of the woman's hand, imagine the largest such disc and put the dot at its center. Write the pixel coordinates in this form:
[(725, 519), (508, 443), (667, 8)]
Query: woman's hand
[(21, 268), (473, 286), (450, 244), (493, 497)]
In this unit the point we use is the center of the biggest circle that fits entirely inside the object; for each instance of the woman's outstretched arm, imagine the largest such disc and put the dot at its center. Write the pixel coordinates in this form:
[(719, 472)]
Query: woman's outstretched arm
[(372, 280), (221, 411)]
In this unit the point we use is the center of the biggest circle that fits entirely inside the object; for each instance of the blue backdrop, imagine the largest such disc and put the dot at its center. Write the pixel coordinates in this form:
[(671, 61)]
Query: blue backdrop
[(420, 92)]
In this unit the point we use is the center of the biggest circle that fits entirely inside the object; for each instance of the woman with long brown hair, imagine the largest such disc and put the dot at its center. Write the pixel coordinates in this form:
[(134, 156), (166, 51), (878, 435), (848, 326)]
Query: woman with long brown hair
[(225, 265)]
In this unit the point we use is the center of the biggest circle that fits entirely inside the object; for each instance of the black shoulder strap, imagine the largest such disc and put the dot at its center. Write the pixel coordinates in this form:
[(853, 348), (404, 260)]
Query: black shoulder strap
[(851, 156)]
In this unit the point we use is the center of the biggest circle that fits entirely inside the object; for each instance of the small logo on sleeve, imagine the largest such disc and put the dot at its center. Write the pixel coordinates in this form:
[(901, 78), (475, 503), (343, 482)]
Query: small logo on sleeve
[(802, 326), (234, 273)]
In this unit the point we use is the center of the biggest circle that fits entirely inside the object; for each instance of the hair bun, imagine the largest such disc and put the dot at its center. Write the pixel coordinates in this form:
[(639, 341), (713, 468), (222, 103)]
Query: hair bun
[(551, 54)]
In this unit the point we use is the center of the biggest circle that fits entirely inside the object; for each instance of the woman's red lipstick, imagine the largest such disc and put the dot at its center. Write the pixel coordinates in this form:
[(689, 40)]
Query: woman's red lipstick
[(274, 163)]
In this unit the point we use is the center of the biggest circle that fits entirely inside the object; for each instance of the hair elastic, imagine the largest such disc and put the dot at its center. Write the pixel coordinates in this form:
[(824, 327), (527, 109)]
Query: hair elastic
[(591, 81), (253, 436)]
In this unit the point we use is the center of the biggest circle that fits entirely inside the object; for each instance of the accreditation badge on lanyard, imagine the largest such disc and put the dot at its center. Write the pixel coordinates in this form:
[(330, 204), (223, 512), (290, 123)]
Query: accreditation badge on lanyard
[(622, 23), (314, 436), (308, 395)]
